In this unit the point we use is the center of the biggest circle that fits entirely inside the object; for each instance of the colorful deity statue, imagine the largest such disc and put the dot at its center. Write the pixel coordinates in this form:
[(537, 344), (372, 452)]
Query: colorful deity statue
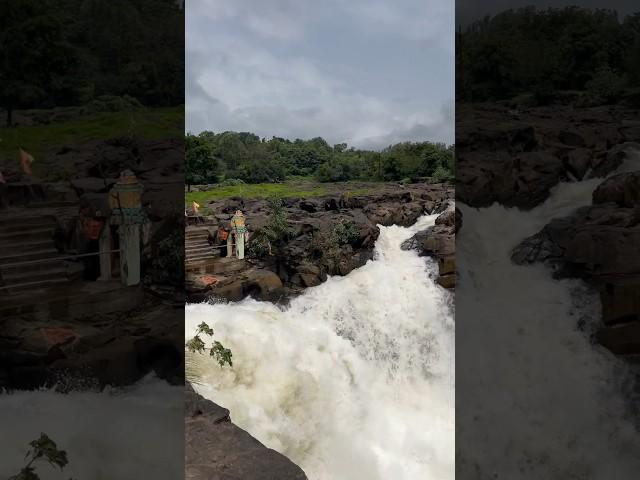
[(237, 234)]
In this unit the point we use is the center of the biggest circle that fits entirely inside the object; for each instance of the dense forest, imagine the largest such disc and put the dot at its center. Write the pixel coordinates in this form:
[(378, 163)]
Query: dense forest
[(545, 56), (233, 156), (72, 52)]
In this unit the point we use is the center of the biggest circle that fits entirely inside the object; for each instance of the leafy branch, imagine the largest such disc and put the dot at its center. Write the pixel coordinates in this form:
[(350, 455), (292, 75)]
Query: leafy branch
[(196, 345), (41, 449)]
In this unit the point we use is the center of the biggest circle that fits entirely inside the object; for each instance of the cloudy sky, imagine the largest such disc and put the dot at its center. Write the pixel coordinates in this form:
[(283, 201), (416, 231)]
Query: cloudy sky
[(366, 72)]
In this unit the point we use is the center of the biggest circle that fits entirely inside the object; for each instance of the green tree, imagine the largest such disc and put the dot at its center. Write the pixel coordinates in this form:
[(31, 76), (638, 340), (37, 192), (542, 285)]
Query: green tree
[(201, 165), (35, 57)]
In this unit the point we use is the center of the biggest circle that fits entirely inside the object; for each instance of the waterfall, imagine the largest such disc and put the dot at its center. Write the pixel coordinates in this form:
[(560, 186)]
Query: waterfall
[(549, 403), (354, 379), (133, 432)]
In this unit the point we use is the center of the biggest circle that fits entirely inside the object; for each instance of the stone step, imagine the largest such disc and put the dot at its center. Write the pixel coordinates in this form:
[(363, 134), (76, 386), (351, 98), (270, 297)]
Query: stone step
[(199, 256), (26, 221), (42, 254), (7, 238), (202, 232), (34, 267), (25, 276), (196, 241), (32, 285), (28, 227), (52, 204), (31, 246), (228, 265), (198, 248)]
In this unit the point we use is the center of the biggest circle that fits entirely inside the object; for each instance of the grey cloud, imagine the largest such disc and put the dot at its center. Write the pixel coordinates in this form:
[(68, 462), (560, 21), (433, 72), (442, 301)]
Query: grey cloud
[(386, 80)]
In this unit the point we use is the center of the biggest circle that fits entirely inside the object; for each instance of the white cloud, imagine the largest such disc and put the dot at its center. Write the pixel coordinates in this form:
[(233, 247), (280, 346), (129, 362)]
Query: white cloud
[(243, 75)]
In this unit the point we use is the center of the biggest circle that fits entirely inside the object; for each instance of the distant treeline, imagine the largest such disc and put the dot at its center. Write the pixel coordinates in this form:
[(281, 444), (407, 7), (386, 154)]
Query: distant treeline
[(589, 56), (213, 158), (69, 52)]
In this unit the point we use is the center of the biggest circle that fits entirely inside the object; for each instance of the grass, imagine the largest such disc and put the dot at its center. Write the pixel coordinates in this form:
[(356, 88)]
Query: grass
[(257, 190), (40, 140)]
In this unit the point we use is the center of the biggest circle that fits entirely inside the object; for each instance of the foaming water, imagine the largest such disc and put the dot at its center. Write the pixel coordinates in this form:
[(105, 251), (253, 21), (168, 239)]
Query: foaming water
[(561, 402), (355, 379), (131, 433)]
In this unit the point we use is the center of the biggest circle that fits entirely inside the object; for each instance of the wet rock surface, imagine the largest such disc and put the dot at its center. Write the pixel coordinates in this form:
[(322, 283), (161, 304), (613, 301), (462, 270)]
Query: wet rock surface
[(318, 245), (438, 241), (516, 157), (601, 244), (216, 449), (92, 350)]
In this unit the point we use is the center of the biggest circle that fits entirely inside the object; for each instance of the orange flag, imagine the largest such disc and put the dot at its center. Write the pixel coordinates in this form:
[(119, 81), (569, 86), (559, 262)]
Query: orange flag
[(25, 161)]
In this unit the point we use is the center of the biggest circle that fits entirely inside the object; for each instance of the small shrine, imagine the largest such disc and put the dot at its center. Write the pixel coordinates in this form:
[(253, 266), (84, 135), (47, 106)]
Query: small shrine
[(127, 216)]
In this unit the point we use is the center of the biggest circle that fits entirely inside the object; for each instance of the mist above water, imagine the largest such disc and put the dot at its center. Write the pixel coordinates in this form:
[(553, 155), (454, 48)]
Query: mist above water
[(130, 433), (355, 379), (536, 398)]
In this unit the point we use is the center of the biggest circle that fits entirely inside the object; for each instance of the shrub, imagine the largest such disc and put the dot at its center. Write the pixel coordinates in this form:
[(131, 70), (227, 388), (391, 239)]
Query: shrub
[(441, 175), (276, 230), (606, 84), (344, 233)]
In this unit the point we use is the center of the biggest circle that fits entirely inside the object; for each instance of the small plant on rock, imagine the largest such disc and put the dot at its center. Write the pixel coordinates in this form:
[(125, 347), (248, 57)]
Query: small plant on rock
[(275, 231)]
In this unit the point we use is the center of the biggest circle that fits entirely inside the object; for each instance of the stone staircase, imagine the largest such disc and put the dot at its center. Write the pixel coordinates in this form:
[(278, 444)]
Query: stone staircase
[(201, 258), (28, 257), (196, 246)]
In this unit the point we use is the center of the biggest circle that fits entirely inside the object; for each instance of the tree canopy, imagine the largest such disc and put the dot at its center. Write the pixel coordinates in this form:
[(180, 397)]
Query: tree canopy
[(546, 52), (69, 52), (214, 157)]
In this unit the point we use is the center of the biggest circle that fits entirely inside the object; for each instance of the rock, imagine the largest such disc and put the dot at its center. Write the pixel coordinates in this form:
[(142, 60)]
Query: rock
[(620, 301), (446, 265), (458, 220), (263, 285), (308, 206), (597, 240), (306, 258), (621, 339), (92, 185), (521, 180), (579, 162), (622, 189), (614, 157), (216, 449), (447, 281), (331, 204), (447, 218)]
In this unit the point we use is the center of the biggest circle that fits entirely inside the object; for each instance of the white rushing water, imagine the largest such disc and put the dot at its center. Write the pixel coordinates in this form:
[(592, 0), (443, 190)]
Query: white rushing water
[(543, 402), (131, 433), (355, 379)]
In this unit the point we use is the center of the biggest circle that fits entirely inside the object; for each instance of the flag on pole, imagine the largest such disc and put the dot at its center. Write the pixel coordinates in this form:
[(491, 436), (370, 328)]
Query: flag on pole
[(25, 161)]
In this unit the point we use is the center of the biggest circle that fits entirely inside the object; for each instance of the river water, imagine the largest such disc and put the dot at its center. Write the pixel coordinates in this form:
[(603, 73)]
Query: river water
[(539, 400), (128, 433), (354, 379)]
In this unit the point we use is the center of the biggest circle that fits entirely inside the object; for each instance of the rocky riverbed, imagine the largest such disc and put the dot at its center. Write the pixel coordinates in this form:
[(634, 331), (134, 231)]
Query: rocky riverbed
[(515, 158), (329, 235)]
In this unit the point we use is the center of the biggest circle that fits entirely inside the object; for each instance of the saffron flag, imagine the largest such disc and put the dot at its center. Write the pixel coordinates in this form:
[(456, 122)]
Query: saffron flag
[(25, 161)]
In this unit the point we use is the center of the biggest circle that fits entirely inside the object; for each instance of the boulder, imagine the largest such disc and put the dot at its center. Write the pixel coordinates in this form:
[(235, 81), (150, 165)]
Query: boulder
[(216, 449)]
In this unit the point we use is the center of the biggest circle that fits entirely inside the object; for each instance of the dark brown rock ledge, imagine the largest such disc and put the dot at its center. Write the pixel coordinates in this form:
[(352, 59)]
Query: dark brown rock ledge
[(216, 449)]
